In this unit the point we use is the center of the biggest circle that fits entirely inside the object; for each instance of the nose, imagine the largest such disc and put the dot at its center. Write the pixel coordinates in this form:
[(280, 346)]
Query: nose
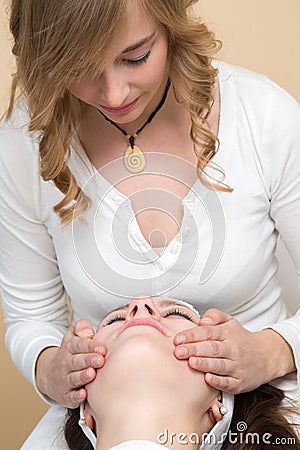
[(142, 307), (114, 88)]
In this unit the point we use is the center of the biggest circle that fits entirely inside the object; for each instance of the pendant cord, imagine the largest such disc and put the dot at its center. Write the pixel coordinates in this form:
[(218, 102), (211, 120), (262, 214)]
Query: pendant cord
[(132, 137)]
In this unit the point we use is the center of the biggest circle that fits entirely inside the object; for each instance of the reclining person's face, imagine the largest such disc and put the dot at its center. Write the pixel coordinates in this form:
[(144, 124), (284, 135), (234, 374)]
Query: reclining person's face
[(139, 338), (141, 374)]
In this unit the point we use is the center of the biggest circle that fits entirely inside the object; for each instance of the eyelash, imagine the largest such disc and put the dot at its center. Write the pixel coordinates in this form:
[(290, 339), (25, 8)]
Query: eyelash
[(113, 319), (175, 312), (178, 312), (140, 60)]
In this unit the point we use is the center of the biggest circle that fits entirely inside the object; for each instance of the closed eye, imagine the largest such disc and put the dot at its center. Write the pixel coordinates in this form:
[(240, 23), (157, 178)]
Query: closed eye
[(113, 319), (140, 59), (178, 312)]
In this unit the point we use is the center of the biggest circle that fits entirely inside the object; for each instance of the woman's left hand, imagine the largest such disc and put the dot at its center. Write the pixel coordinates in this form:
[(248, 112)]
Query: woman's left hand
[(233, 359)]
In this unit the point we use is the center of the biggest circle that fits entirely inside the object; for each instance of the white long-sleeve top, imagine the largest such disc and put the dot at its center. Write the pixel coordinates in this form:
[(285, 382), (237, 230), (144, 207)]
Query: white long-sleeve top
[(223, 256)]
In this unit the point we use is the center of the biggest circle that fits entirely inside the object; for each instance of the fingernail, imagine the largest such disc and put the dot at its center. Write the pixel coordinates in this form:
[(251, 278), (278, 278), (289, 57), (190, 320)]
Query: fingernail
[(182, 351), (80, 396), (86, 333), (195, 361), (87, 375), (181, 339), (96, 361), (98, 349), (206, 320), (209, 377)]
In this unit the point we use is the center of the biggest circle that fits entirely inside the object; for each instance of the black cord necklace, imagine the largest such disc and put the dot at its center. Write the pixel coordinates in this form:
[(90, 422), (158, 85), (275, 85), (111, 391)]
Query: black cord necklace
[(134, 159)]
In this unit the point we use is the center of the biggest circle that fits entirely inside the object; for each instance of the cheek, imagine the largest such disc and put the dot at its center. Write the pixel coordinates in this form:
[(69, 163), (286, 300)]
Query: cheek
[(155, 71), (160, 65), (178, 325), (106, 335), (83, 90)]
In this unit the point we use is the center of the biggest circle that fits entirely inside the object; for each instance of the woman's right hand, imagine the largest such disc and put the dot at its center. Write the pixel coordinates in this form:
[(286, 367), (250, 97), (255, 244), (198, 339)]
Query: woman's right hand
[(61, 372)]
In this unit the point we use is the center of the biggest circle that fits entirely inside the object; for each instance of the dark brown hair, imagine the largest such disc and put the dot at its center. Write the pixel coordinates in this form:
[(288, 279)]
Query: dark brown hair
[(261, 409), (264, 413)]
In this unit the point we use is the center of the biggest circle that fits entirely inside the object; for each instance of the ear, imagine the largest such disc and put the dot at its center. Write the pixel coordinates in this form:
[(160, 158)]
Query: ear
[(90, 422), (215, 409), (89, 419)]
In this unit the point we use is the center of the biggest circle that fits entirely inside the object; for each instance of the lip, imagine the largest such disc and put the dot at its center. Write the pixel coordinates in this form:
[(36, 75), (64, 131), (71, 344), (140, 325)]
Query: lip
[(142, 322), (121, 110)]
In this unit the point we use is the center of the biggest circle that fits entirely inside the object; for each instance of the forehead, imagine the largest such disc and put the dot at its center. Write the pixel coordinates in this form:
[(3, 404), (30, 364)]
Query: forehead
[(137, 24), (131, 26)]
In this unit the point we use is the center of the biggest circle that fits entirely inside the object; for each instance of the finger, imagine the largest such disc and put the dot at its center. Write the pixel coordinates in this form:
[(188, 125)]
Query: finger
[(214, 317), (198, 334), (81, 345), (74, 398), (99, 347), (210, 349), (83, 328), (83, 361), (221, 366), (226, 384), (81, 378)]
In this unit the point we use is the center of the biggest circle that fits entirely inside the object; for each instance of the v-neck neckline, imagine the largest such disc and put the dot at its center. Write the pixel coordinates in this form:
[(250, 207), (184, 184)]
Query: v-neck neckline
[(118, 197)]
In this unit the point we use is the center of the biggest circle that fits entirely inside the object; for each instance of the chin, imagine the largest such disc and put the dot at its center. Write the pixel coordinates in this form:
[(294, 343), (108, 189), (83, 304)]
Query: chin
[(138, 354), (137, 361), (138, 343), (128, 116)]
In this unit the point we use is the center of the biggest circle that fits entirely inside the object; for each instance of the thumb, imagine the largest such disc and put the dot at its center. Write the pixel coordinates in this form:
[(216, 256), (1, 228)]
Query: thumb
[(83, 329), (214, 317)]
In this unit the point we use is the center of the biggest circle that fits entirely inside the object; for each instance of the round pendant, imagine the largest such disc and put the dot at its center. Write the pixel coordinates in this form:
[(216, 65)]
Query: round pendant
[(134, 159)]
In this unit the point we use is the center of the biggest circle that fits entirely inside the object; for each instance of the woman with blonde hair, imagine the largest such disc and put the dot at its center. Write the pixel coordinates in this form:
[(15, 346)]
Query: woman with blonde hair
[(120, 131)]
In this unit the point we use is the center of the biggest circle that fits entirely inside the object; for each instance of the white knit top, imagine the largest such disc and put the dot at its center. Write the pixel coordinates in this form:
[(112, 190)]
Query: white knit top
[(223, 256)]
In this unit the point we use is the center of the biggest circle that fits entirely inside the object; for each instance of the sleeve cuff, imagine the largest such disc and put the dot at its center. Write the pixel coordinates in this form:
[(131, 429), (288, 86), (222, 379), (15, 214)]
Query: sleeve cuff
[(290, 333), (40, 337)]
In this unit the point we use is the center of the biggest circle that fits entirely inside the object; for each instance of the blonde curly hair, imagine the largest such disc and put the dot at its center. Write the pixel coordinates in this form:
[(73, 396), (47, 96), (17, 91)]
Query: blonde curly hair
[(58, 41)]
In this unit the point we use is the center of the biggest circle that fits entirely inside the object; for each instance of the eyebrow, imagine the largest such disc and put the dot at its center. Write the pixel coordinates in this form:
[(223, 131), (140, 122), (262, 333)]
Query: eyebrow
[(119, 309), (168, 303), (138, 44)]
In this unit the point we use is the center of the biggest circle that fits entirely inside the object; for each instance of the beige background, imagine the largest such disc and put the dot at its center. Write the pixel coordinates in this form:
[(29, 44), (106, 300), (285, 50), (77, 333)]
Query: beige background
[(261, 35)]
